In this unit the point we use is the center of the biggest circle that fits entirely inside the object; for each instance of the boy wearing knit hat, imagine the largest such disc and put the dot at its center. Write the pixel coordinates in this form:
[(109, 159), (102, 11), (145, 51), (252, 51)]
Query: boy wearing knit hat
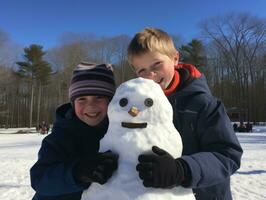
[(69, 161), (90, 91)]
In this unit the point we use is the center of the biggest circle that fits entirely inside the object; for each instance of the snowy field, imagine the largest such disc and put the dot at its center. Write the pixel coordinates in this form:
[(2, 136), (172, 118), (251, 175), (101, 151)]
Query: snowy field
[(18, 152)]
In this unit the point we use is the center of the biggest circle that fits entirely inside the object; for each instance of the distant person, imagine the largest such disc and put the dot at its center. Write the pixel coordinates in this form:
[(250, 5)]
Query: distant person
[(235, 127), (47, 127), (242, 127), (44, 128), (249, 127)]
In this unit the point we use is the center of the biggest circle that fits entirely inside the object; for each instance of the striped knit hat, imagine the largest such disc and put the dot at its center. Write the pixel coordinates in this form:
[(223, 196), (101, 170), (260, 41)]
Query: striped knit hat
[(92, 79)]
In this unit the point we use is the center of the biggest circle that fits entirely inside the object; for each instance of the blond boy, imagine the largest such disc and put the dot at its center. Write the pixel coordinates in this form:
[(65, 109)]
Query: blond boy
[(211, 151)]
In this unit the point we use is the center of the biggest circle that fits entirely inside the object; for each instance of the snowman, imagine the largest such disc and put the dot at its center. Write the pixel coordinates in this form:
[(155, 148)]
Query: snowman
[(140, 116)]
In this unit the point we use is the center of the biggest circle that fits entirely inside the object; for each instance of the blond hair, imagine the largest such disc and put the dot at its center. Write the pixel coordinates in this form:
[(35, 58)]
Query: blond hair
[(151, 40)]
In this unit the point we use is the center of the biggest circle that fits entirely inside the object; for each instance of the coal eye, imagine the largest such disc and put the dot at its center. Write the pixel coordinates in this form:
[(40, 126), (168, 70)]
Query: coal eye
[(148, 102), (123, 102)]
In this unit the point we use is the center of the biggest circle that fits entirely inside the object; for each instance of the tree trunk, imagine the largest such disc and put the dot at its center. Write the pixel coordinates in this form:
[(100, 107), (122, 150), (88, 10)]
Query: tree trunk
[(31, 104), (39, 105)]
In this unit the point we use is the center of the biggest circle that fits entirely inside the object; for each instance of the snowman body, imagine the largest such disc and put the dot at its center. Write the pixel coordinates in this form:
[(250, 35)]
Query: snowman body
[(140, 117)]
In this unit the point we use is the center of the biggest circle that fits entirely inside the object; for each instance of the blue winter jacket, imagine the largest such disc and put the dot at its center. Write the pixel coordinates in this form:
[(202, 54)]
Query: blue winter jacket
[(210, 146), (70, 140)]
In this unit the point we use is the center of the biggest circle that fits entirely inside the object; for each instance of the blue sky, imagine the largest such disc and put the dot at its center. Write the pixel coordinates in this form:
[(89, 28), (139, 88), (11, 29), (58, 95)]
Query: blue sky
[(44, 21)]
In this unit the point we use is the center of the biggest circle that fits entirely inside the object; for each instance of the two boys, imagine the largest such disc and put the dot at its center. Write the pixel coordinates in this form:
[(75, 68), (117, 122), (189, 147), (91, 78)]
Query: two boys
[(211, 151)]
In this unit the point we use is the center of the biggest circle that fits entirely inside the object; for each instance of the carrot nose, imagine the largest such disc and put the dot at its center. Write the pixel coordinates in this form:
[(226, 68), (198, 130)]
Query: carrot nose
[(133, 111)]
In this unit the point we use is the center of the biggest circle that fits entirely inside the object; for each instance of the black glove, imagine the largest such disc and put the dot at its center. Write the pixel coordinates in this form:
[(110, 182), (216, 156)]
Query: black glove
[(161, 170), (98, 168)]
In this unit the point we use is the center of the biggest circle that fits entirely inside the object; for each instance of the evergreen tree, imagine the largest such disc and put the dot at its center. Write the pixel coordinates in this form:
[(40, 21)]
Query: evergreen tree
[(34, 69), (193, 53)]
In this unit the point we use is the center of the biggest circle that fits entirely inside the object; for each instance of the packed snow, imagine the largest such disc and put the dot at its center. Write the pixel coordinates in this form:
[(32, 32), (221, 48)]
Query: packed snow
[(249, 182), (140, 117), (18, 152)]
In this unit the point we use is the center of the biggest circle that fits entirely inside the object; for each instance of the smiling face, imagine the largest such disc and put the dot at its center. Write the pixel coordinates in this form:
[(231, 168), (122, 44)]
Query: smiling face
[(91, 109), (140, 116), (155, 66), (139, 103)]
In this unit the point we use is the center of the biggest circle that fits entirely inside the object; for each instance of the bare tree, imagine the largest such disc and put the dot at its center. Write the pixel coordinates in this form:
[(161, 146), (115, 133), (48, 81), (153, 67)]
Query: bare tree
[(237, 39)]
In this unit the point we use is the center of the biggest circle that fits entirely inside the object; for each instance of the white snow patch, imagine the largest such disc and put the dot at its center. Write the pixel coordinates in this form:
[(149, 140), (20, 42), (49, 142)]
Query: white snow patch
[(18, 153)]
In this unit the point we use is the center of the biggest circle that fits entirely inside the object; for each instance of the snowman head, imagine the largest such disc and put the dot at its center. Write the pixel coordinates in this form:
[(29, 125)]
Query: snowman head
[(139, 103)]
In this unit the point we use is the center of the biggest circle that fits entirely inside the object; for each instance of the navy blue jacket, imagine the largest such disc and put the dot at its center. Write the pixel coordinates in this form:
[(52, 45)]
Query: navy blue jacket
[(70, 140), (210, 146)]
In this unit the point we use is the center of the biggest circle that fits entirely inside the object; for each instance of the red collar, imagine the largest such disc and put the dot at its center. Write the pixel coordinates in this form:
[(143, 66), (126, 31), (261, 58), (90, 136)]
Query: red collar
[(194, 73), (173, 85)]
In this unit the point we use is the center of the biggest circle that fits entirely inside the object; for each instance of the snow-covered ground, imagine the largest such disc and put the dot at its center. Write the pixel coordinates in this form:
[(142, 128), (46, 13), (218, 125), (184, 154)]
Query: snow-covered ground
[(18, 152), (249, 182)]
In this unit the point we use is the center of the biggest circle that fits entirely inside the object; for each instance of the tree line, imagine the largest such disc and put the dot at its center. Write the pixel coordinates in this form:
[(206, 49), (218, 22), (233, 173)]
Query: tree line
[(230, 51)]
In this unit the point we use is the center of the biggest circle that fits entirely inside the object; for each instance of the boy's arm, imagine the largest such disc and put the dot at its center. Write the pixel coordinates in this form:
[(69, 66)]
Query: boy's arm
[(52, 173), (220, 150)]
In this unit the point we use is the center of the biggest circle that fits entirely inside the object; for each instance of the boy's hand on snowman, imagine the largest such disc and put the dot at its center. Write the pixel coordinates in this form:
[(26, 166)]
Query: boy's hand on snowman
[(107, 164), (98, 168), (160, 170)]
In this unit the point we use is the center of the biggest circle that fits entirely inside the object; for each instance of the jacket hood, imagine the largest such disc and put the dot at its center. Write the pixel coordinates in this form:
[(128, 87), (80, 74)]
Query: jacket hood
[(197, 85), (189, 81)]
